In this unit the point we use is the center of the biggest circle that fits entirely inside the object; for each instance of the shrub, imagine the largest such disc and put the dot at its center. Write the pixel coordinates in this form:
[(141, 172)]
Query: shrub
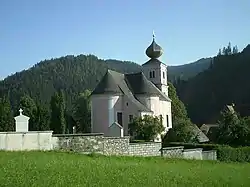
[(230, 154), (146, 127), (225, 153)]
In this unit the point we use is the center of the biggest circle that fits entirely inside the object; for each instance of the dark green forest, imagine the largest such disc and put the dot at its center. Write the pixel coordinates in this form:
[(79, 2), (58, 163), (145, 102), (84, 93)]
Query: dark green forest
[(224, 82)]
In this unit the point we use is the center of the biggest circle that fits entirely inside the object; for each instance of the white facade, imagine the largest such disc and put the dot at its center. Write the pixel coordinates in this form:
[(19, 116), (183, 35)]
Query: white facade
[(157, 73)]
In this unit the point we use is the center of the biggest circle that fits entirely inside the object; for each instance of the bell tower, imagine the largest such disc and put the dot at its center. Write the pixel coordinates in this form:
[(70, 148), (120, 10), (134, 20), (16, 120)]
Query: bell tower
[(154, 69)]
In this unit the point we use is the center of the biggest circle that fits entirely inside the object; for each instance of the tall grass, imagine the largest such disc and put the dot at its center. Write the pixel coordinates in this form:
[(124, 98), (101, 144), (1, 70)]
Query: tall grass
[(26, 169)]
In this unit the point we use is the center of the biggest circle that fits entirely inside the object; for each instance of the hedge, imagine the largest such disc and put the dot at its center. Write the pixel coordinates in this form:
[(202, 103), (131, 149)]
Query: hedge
[(224, 153)]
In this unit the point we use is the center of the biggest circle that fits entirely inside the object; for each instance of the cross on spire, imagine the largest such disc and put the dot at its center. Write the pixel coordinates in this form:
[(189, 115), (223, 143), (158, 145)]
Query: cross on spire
[(153, 34), (21, 111)]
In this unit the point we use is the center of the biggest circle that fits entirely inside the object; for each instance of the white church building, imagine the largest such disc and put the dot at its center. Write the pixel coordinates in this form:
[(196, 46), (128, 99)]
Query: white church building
[(121, 97)]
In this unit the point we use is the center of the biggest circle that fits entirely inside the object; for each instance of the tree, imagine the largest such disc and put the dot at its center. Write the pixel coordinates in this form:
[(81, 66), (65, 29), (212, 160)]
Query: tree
[(57, 119), (82, 112), (219, 53), (228, 124), (146, 127), (178, 108), (42, 118), (182, 128), (6, 115), (29, 109), (181, 131), (235, 50), (229, 49)]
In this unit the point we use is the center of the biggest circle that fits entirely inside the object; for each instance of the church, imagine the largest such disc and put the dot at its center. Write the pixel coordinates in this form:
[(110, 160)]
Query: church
[(121, 97)]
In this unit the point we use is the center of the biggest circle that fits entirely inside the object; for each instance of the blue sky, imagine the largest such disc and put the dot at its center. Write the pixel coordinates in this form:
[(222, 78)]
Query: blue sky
[(31, 31)]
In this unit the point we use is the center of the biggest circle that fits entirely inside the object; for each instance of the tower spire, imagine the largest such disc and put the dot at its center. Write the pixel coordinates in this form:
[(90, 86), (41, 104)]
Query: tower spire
[(154, 50)]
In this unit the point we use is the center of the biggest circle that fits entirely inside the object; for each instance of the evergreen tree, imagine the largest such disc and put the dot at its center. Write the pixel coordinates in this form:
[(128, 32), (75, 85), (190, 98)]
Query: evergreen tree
[(82, 112), (224, 51), (182, 127), (42, 118), (235, 49), (219, 53), (6, 115), (229, 49), (29, 109), (57, 119)]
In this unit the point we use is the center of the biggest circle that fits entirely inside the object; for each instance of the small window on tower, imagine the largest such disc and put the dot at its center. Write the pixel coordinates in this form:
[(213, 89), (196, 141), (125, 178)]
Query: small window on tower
[(163, 74), (153, 74), (150, 74), (167, 120)]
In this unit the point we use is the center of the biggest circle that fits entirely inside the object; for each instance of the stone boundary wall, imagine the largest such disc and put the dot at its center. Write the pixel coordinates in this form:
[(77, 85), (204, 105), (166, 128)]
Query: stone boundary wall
[(209, 155), (145, 149), (91, 143), (172, 152), (193, 153), (98, 143)]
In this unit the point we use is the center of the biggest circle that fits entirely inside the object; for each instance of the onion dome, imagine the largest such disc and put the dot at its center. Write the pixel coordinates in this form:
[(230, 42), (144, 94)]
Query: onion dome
[(154, 51)]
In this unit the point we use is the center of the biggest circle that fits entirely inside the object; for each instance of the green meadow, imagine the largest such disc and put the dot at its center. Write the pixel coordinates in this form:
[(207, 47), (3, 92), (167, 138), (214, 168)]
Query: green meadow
[(26, 169)]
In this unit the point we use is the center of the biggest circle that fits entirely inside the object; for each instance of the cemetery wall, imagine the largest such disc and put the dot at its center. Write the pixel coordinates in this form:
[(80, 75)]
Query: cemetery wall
[(145, 149), (97, 143), (20, 141)]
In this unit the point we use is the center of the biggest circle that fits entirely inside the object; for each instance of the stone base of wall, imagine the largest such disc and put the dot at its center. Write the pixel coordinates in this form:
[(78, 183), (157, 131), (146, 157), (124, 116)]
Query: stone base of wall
[(97, 143), (20, 141), (145, 149)]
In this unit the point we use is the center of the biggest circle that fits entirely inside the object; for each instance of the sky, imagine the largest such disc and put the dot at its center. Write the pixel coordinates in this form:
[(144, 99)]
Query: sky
[(187, 30)]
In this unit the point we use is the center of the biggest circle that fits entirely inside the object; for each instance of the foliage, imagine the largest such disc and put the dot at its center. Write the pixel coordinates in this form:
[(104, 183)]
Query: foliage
[(146, 127), (6, 115), (42, 118), (57, 119), (82, 112), (182, 131), (230, 154), (224, 153), (207, 93), (181, 125), (28, 105), (24, 169), (233, 130), (178, 108)]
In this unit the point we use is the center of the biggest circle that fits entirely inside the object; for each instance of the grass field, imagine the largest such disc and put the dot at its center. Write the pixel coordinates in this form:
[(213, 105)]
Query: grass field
[(53, 169)]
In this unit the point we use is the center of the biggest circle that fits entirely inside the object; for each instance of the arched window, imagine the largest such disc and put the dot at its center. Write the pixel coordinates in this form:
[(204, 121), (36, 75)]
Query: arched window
[(150, 74)]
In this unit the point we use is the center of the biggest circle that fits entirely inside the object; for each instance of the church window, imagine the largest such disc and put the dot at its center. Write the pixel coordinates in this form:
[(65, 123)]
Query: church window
[(150, 74), (119, 118), (167, 121), (153, 74), (163, 74)]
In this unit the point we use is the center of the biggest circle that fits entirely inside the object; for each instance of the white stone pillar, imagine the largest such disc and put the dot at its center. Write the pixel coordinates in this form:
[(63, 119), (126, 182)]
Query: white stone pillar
[(22, 122)]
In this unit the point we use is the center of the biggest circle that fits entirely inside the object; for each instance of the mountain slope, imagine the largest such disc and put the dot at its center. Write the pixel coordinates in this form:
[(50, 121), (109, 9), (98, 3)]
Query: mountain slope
[(73, 74), (188, 70), (225, 82)]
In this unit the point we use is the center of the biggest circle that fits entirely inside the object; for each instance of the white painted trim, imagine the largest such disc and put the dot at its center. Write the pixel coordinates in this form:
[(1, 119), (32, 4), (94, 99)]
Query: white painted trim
[(92, 116)]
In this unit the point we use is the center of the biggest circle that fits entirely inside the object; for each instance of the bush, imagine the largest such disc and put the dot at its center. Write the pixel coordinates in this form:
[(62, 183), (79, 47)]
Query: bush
[(225, 153), (146, 127), (230, 154)]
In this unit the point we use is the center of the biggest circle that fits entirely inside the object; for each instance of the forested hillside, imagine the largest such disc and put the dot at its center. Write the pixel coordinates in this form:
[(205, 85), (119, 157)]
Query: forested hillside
[(188, 70), (226, 81), (73, 74)]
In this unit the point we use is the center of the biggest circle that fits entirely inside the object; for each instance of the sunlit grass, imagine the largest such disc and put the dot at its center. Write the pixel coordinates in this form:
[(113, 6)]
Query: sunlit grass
[(27, 169)]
